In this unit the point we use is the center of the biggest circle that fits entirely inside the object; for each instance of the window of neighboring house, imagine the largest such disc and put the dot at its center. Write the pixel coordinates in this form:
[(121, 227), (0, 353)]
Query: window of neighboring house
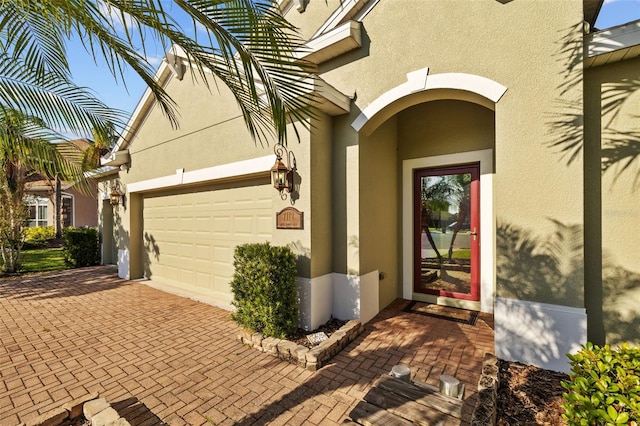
[(66, 210), (37, 211)]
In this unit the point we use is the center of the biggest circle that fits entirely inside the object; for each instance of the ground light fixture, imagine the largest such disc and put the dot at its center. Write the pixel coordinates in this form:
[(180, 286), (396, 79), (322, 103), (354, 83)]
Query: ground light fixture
[(114, 197), (281, 173)]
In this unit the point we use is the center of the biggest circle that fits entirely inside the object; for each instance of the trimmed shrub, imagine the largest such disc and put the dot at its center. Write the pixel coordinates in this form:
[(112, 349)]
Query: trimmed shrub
[(264, 289), (81, 247), (37, 236), (604, 386)]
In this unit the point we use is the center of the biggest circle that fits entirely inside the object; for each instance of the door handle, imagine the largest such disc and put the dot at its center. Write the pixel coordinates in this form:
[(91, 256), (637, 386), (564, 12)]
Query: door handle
[(474, 233)]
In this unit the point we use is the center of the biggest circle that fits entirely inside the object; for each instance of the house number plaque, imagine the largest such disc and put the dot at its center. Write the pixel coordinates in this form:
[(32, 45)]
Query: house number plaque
[(290, 218)]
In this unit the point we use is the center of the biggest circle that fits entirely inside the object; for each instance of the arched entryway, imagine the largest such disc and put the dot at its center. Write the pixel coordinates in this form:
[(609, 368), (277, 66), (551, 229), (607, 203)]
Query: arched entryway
[(428, 131)]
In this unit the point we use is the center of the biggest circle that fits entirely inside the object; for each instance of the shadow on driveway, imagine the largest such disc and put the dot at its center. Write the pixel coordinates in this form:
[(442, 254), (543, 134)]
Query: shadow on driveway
[(71, 282)]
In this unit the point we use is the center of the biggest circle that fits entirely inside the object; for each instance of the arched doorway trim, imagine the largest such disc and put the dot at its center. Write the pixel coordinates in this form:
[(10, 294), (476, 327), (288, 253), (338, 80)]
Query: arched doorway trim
[(466, 87)]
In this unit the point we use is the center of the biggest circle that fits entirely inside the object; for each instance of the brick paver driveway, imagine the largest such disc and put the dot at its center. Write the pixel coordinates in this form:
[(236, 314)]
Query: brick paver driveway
[(177, 361)]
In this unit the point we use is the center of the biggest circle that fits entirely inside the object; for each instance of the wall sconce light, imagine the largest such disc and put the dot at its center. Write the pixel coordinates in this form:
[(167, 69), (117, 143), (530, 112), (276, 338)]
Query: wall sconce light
[(282, 174), (114, 197)]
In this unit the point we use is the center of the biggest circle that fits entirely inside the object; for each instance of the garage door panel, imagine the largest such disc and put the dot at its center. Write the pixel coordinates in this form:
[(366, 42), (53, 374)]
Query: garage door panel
[(264, 226), (203, 252), (203, 280), (196, 234)]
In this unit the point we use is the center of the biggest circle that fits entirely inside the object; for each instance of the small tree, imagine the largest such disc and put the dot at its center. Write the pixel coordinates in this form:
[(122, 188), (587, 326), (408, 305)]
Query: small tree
[(462, 196), (436, 195), (13, 217), (25, 148)]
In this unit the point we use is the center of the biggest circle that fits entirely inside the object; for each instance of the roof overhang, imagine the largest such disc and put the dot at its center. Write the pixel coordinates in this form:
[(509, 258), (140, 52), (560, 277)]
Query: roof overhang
[(612, 45), (101, 172), (328, 99), (336, 42), (591, 10), (115, 158), (44, 187)]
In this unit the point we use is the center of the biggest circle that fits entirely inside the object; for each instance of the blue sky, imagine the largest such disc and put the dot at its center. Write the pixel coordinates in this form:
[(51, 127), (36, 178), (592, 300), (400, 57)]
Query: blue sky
[(126, 97)]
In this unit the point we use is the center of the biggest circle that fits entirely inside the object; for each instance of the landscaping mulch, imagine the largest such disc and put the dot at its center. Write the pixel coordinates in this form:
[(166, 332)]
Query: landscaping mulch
[(529, 395)]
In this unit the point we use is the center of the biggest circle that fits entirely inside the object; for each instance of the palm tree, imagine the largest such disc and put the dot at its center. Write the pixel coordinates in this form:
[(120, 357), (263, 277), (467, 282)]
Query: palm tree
[(246, 44), (25, 148), (461, 186), (435, 197)]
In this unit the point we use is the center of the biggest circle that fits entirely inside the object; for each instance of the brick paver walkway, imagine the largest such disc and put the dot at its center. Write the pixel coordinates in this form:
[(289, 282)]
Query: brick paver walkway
[(174, 360)]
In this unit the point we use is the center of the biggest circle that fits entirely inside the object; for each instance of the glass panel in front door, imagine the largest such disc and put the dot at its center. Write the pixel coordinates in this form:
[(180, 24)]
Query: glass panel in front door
[(447, 232)]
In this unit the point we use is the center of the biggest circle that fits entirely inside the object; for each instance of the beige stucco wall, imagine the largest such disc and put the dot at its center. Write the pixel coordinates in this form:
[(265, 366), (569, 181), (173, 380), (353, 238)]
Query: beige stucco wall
[(345, 189), (320, 194), (612, 210), (211, 133), (444, 127), (379, 238), (314, 15), (113, 222), (535, 191)]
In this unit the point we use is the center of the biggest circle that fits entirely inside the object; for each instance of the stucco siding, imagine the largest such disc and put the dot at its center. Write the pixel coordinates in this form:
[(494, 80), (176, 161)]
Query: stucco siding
[(320, 194), (444, 127), (379, 232), (612, 138), (450, 37), (344, 197), (211, 132), (314, 15)]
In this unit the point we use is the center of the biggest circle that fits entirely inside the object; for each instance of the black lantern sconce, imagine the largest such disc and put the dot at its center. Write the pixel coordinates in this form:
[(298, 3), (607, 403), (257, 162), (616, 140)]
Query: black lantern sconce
[(114, 197), (282, 174)]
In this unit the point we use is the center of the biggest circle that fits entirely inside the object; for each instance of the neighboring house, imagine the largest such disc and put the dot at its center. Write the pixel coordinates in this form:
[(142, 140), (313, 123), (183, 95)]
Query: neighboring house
[(76, 208), (515, 118)]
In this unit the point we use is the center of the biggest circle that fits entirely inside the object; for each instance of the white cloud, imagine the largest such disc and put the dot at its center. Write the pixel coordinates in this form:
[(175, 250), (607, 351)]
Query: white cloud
[(117, 18), (154, 60)]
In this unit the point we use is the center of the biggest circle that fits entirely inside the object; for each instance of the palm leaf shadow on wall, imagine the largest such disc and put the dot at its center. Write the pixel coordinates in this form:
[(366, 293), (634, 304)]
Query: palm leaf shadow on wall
[(151, 248), (619, 147), (547, 270)]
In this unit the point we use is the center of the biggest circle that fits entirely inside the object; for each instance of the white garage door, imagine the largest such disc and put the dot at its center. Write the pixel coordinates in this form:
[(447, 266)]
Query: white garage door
[(189, 238)]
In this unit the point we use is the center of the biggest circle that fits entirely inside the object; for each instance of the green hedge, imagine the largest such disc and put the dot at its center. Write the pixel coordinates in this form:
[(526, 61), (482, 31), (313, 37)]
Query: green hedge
[(604, 386), (81, 247), (264, 289)]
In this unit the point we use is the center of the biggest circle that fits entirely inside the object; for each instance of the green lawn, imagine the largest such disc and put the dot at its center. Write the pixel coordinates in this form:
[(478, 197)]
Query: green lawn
[(45, 259), (461, 253)]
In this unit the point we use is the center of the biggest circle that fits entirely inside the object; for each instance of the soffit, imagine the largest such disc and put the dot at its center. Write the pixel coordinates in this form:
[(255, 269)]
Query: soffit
[(612, 45), (591, 10)]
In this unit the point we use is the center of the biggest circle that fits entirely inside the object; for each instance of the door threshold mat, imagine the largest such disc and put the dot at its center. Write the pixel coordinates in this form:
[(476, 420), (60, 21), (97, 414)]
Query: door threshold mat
[(448, 313)]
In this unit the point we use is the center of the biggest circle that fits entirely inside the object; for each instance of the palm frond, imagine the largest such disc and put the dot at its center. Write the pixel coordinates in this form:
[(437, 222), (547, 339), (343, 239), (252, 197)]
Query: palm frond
[(59, 102), (29, 34), (26, 142), (247, 44), (250, 49)]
